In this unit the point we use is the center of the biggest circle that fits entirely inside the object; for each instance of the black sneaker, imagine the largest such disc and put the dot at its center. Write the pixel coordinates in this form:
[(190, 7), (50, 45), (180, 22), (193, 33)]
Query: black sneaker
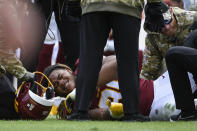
[(135, 117), (78, 116), (184, 117)]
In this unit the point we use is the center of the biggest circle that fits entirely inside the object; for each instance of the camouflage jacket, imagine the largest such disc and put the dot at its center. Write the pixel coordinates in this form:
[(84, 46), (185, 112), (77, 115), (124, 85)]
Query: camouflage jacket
[(10, 63), (154, 62), (128, 7)]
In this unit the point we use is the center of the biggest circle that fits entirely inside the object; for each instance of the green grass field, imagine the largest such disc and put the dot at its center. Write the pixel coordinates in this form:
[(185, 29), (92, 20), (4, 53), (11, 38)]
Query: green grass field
[(52, 124)]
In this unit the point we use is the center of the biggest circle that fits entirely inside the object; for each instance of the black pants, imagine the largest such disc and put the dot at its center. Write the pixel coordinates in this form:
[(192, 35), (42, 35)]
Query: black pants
[(30, 50), (7, 97), (179, 61), (95, 29), (69, 28)]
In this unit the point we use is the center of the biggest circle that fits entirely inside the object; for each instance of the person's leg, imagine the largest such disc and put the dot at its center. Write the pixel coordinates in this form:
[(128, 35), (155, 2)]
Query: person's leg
[(163, 105), (126, 33), (30, 51), (69, 27), (179, 61), (7, 97), (94, 33)]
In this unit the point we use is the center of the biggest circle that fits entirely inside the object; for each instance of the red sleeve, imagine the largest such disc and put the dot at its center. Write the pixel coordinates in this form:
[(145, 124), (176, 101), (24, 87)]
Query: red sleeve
[(76, 64), (140, 59), (146, 96)]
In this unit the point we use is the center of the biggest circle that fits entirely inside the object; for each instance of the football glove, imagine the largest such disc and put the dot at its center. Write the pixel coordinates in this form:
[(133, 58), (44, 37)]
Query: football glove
[(115, 109), (66, 106), (69, 101)]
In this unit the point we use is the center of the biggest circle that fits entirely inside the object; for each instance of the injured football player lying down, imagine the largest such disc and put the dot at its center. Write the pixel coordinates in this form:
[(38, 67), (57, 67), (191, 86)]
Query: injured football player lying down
[(106, 104)]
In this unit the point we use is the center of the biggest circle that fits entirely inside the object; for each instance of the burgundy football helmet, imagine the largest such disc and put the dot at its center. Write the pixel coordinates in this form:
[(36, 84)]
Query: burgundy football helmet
[(30, 105)]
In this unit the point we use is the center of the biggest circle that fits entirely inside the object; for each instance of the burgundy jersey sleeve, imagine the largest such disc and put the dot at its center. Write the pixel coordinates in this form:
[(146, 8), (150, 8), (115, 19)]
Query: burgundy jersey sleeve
[(95, 101), (140, 53), (76, 65), (146, 96)]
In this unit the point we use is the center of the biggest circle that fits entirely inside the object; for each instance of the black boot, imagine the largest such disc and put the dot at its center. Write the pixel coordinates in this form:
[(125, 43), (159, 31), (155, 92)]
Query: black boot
[(79, 116), (135, 117), (185, 116)]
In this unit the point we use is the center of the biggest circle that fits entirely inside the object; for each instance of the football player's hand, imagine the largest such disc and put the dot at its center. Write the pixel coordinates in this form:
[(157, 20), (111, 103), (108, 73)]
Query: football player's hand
[(115, 109), (66, 106), (154, 20)]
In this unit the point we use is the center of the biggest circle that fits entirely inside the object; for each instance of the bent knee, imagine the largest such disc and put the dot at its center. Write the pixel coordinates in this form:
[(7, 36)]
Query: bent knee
[(173, 52)]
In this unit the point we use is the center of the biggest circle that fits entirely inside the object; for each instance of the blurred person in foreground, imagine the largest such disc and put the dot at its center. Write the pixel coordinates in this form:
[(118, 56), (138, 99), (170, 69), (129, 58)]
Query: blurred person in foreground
[(16, 19)]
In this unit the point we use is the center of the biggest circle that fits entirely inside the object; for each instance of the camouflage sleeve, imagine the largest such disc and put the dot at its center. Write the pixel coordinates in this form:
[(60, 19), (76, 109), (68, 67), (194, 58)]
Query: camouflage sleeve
[(12, 64), (2, 70), (152, 62)]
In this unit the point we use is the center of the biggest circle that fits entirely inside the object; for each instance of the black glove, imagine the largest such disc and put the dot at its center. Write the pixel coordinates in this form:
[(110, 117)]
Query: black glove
[(154, 20), (29, 77), (73, 8), (50, 93)]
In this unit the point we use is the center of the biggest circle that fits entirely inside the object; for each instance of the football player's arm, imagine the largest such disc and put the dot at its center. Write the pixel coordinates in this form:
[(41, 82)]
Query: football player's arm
[(108, 71), (152, 62), (99, 114)]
